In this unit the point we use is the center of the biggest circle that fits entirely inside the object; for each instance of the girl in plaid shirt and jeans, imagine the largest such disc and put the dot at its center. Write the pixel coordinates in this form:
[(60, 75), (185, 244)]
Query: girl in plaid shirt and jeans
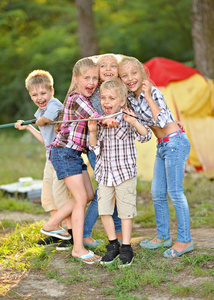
[(172, 152), (70, 143)]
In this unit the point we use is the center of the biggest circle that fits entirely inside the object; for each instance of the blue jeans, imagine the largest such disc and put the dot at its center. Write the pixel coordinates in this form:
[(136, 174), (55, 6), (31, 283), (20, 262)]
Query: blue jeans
[(67, 162), (168, 177), (92, 211)]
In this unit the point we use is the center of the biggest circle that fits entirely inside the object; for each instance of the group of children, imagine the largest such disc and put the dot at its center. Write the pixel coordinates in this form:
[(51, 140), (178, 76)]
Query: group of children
[(97, 121)]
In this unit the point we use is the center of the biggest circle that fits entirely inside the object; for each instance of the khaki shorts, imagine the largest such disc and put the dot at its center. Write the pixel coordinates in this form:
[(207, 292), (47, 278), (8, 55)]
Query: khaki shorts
[(125, 199), (54, 192)]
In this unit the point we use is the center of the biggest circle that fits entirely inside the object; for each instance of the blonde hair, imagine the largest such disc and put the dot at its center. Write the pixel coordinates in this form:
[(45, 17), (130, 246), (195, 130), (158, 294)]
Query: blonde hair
[(78, 70), (118, 86), (39, 77), (136, 62), (103, 56)]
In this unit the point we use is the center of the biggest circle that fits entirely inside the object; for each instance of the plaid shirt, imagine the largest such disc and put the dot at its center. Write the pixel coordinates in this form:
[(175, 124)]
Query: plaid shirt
[(116, 152), (75, 135), (141, 108)]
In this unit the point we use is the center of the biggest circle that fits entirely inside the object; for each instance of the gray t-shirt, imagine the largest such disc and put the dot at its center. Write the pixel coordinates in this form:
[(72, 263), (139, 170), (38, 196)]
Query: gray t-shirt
[(51, 112), (95, 101)]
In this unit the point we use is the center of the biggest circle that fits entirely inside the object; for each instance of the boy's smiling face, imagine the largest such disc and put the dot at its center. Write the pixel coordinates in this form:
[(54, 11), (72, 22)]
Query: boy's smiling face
[(110, 101), (108, 67), (41, 95)]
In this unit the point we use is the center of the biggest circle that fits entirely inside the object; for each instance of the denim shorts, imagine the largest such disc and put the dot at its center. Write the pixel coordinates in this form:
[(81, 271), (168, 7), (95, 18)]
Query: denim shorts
[(67, 162)]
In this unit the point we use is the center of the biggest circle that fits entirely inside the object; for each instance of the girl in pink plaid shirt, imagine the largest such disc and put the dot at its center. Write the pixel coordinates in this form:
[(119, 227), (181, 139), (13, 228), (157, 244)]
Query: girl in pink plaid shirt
[(66, 158)]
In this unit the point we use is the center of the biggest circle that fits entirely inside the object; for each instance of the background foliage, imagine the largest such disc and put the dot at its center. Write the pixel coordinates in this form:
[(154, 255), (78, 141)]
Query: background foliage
[(43, 34)]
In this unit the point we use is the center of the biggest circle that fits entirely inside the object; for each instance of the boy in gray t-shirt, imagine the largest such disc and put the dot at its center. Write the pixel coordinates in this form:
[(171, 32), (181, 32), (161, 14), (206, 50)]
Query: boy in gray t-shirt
[(55, 194)]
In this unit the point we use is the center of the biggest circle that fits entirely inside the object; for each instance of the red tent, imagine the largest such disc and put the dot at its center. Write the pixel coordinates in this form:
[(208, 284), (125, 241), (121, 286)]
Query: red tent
[(162, 71)]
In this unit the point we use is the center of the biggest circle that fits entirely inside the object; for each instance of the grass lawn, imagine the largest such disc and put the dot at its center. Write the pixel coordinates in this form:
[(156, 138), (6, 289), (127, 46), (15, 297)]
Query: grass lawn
[(28, 271)]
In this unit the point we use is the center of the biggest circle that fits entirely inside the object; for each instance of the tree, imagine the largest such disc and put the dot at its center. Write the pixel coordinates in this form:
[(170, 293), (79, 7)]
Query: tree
[(42, 34), (145, 29), (203, 38), (86, 29), (34, 35)]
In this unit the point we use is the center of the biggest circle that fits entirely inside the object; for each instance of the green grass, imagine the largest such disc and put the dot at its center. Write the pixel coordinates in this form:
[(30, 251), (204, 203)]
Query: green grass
[(199, 193), (7, 224), (149, 271), (18, 250), (10, 204), (204, 290), (21, 156)]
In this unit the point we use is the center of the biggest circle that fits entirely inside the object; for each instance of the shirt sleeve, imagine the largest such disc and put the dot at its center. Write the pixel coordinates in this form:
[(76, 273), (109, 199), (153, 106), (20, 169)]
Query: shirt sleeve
[(163, 115), (97, 148), (78, 107), (53, 109), (142, 138)]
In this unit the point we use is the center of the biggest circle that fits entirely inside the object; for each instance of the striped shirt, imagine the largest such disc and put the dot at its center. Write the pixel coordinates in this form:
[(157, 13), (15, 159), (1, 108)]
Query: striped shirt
[(116, 152), (141, 108), (75, 135)]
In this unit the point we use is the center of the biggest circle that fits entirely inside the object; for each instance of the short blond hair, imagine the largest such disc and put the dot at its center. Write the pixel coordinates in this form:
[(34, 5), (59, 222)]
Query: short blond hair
[(39, 77), (118, 86)]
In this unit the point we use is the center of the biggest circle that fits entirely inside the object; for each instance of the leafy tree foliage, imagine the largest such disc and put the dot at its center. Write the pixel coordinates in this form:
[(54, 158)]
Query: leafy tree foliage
[(145, 29), (42, 34), (39, 34)]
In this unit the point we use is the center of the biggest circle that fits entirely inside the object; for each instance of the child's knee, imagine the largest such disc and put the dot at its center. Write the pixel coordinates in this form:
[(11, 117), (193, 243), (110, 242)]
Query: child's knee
[(90, 197)]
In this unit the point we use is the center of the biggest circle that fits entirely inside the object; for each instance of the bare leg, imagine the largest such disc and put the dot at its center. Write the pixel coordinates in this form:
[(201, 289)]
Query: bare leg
[(77, 219), (68, 222), (126, 230), (108, 224), (52, 212), (119, 236), (81, 188), (59, 216), (88, 186)]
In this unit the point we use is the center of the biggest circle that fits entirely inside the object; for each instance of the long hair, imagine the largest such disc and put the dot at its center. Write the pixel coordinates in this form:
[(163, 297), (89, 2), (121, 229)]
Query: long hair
[(136, 62), (79, 69)]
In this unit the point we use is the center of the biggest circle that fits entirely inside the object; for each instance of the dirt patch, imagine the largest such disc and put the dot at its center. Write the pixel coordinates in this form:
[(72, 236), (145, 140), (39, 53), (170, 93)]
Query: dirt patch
[(35, 285)]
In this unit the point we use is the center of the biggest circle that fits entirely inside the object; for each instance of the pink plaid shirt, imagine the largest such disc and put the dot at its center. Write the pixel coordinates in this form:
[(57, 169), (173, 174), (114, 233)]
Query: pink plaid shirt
[(75, 135)]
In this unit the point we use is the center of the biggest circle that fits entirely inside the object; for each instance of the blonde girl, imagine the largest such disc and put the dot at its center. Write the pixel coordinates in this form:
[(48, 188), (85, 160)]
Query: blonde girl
[(108, 68), (172, 152), (66, 158)]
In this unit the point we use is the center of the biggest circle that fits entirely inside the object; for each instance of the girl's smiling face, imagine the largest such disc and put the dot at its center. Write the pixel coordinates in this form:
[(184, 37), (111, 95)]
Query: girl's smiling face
[(108, 67), (87, 82), (132, 76)]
